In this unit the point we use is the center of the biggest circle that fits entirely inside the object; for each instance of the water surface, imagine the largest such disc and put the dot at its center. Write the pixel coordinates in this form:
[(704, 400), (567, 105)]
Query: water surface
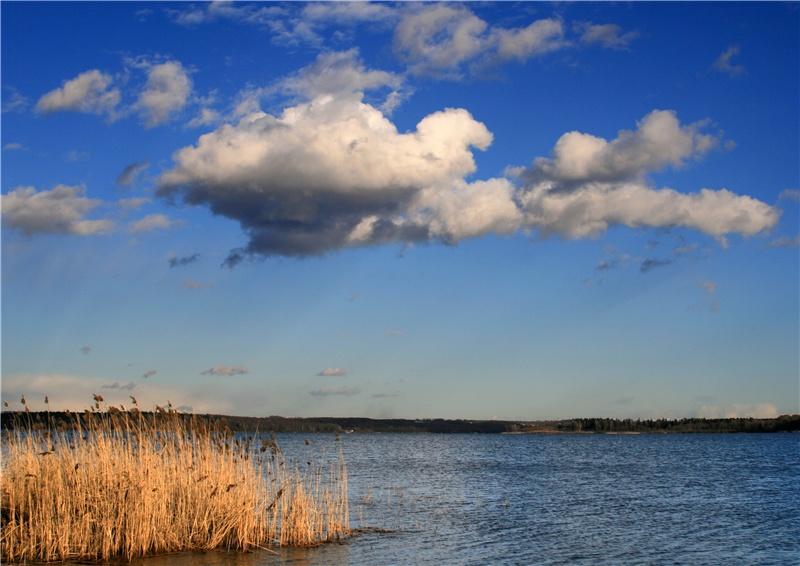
[(554, 499)]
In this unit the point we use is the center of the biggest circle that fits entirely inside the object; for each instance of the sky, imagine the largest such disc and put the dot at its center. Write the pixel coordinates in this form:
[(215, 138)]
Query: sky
[(507, 210)]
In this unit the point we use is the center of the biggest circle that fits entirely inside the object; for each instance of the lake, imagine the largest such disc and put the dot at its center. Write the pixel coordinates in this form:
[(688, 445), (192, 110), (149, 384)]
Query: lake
[(553, 499)]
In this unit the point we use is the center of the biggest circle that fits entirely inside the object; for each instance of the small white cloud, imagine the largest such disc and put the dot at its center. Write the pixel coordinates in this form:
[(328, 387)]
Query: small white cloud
[(790, 194), (14, 102), (62, 210), (785, 242), (167, 92), (75, 155), (152, 222), (12, 146), (723, 63), (330, 372), (226, 370), (89, 92), (133, 203), (608, 36), (445, 40)]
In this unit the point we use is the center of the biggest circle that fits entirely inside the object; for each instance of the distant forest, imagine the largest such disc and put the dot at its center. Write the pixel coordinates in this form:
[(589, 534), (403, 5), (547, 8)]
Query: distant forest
[(66, 421)]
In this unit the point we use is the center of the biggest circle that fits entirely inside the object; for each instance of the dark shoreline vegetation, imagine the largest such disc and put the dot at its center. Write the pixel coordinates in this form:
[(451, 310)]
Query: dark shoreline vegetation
[(785, 423)]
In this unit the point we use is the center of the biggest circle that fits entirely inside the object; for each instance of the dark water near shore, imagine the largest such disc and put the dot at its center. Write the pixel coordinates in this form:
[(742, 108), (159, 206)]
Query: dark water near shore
[(555, 499)]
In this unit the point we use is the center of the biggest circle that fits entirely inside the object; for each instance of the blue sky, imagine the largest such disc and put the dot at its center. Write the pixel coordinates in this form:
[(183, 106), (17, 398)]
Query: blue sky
[(481, 210)]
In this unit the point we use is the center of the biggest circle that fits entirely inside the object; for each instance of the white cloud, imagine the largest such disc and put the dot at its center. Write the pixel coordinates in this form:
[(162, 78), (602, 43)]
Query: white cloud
[(61, 210), (789, 194), (167, 92), (468, 210), (608, 36), (335, 172), (723, 63), (207, 117), (541, 36), (339, 72), (591, 209), (739, 411), (439, 38), (14, 101), (133, 203), (152, 222), (226, 370), (785, 242), (89, 92), (331, 372), (590, 184), (659, 140), (349, 12), (447, 40), (12, 146)]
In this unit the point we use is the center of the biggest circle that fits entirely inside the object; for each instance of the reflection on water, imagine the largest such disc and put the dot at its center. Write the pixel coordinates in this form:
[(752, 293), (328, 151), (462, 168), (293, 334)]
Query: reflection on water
[(554, 499)]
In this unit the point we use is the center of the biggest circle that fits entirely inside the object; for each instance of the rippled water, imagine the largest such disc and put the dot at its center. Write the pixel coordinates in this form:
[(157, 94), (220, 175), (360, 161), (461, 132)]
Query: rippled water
[(555, 499)]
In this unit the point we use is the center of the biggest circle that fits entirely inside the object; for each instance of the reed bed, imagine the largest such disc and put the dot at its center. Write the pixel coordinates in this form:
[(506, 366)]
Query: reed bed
[(123, 484)]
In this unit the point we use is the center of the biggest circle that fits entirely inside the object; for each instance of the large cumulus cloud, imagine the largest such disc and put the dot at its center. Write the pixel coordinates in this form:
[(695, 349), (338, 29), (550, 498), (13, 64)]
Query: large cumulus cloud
[(335, 172)]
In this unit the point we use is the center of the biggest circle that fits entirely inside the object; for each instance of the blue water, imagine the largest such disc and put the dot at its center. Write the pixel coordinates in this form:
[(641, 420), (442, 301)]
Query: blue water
[(555, 499)]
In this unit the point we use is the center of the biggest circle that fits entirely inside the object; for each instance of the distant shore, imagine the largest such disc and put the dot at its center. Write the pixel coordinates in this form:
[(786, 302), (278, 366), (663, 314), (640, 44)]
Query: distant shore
[(346, 425)]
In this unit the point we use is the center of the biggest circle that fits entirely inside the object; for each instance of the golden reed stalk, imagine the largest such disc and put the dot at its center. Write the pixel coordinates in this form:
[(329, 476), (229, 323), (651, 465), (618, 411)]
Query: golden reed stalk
[(124, 484)]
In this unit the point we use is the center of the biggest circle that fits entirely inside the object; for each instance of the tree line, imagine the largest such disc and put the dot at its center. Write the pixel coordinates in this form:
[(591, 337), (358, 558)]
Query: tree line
[(56, 420)]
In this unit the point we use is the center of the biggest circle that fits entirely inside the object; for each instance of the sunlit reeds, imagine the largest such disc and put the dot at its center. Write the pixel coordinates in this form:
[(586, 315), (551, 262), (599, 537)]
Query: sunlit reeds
[(124, 484)]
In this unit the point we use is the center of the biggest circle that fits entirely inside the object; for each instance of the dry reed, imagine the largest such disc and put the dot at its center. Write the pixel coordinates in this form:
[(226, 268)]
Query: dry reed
[(122, 484)]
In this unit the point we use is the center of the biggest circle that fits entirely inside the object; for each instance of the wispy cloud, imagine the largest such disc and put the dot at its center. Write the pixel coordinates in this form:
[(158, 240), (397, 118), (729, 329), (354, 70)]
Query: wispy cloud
[(723, 63), (126, 386), (335, 391), (608, 36), (86, 350), (14, 101), (333, 372), (149, 373), (650, 264), (784, 242), (183, 261), (131, 172), (195, 285), (151, 223), (226, 370)]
